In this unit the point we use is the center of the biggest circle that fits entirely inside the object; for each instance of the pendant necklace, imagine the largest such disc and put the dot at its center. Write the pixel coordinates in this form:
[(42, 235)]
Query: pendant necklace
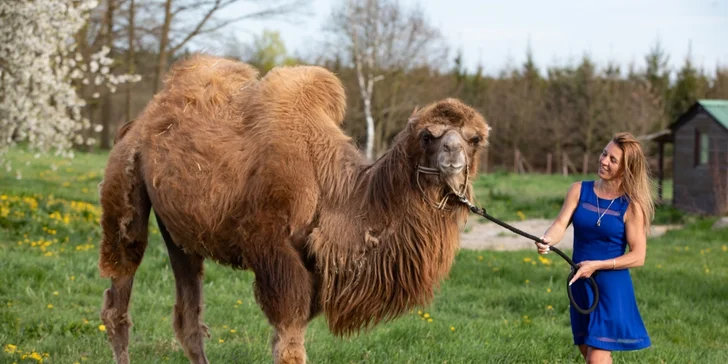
[(599, 219)]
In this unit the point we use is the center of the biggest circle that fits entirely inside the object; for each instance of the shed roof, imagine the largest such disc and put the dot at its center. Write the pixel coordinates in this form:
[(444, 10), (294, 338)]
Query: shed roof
[(718, 109)]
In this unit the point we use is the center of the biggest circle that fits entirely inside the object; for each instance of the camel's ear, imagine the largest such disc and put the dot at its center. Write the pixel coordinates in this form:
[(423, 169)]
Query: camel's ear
[(413, 117)]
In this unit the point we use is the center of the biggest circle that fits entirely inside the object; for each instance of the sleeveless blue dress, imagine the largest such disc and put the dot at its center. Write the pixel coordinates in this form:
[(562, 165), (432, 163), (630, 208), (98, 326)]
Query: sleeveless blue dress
[(616, 323)]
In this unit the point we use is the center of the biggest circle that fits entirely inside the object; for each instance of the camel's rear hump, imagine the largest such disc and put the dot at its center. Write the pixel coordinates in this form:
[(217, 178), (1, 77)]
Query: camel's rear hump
[(302, 93)]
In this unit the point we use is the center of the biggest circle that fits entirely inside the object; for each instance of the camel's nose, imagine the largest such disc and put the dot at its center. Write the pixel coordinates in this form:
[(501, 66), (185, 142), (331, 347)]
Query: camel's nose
[(452, 157)]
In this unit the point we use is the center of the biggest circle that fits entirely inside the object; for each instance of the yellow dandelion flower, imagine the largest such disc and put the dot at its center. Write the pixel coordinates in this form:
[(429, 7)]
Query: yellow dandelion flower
[(35, 356), (707, 270), (50, 305), (221, 341), (521, 215), (549, 307), (102, 328), (240, 302), (419, 312), (725, 248), (224, 326), (10, 348), (233, 331), (429, 319), (527, 260), (495, 269), (85, 321), (659, 266), (480, 257), (427, 315), (527, 281), (452, 328)]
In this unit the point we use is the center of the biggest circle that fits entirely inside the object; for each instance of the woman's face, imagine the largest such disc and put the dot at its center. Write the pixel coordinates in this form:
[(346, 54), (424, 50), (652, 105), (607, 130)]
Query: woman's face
[(610, 162)]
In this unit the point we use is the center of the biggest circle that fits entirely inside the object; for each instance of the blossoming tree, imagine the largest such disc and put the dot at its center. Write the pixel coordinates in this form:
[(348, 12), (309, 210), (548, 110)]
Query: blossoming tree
[(39, 65)]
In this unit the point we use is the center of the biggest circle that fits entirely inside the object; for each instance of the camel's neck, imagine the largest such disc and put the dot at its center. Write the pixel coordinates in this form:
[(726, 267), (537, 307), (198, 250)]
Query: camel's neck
[(384, 251)]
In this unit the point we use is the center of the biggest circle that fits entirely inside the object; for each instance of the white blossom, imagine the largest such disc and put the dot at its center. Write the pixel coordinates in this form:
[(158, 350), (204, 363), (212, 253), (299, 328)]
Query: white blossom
[(38, 63)]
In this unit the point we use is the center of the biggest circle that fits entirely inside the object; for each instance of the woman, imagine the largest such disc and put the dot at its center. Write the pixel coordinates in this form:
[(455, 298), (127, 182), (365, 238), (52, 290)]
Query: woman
[(608, 214)]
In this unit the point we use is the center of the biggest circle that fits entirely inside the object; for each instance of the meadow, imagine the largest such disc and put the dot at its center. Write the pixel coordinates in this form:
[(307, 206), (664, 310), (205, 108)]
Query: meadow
[(496, 307)]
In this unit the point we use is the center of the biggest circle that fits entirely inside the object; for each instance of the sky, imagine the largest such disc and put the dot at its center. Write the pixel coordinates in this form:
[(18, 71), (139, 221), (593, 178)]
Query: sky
[(496, 34)]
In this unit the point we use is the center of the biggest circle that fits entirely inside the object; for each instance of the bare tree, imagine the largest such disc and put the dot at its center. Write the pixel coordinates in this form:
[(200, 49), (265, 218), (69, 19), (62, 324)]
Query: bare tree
[(177, 29), (383, 40), (108, 35), (131, 56)]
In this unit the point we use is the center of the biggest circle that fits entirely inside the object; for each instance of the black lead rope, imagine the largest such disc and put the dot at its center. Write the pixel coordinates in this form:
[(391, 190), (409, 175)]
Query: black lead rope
[(574, 268)]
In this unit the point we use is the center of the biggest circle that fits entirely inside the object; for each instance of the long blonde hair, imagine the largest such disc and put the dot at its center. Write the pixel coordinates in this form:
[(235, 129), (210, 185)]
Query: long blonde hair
[(637, 184)]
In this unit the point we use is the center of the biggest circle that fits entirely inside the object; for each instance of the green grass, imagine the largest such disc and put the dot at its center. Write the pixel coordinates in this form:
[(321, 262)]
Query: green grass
[(496, 307), (516, 197)]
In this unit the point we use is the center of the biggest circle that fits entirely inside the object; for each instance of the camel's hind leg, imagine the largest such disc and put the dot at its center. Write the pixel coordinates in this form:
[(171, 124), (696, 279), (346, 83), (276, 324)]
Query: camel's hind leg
[(115, 316), (188, 270), (124, 221)]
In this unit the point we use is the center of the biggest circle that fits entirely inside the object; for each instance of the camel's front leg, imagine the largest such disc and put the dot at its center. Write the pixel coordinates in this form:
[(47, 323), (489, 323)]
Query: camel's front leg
[(288, 345), (284, 290)]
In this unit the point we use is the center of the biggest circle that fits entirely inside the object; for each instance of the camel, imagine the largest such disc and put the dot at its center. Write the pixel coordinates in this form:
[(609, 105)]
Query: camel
[(256, 174)]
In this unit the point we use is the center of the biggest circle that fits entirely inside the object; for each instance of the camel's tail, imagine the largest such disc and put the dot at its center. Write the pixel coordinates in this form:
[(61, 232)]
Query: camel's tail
[(126, 208)]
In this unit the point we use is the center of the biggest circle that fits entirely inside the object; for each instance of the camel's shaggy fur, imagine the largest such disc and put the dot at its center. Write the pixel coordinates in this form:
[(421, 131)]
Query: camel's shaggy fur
[(257, 174)]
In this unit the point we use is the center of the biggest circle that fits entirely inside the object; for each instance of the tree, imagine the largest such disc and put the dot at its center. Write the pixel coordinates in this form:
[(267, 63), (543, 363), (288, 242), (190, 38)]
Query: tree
[(690, 86), (177, 12), (38, 65), (131, 54), (719, 86), (657, 74), (268, 51), (383, 40)]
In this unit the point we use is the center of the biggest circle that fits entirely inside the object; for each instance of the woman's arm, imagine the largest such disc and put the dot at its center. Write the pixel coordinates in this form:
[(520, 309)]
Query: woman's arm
[(634, 229), (555, 232)]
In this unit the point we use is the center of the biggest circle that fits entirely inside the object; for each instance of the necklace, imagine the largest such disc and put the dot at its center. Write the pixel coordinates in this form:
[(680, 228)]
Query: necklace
[(599, 219)]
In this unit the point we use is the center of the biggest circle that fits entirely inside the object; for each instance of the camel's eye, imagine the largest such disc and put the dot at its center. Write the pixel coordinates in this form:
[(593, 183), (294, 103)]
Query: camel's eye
[(427, 137), (475, 140)]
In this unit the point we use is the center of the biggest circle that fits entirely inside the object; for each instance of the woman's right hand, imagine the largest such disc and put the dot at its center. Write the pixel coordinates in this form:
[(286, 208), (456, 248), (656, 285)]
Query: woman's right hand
[(544, 248)]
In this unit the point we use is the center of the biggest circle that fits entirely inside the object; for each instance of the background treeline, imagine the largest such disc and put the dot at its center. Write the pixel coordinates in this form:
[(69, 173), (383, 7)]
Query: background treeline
[(391, 60)]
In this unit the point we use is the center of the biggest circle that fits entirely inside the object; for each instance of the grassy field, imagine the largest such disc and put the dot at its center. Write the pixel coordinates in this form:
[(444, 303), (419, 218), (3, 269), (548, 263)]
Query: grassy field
[(496, 307)]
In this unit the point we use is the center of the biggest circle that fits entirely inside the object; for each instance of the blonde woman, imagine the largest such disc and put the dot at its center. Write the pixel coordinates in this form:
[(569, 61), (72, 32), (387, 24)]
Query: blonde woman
[(608, 214)]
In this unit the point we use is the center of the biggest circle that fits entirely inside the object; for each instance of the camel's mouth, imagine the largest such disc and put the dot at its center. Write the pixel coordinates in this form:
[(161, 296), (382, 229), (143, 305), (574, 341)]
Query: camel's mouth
[(456, 183)]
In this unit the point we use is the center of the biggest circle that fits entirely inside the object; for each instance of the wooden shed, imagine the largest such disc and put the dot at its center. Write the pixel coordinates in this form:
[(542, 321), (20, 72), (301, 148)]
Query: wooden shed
[(700, 157)]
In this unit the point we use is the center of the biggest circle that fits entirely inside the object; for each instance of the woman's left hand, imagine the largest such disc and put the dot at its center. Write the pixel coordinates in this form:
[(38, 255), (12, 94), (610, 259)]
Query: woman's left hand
[(586, 269)]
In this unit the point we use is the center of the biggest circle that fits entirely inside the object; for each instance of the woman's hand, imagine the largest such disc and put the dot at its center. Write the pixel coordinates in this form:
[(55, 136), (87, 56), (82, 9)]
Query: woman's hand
[(586, 269), (544, 248)]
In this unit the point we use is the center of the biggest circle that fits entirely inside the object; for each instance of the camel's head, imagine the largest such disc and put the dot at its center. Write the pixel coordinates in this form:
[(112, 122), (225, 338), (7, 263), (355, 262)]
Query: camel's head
[(446, 138)]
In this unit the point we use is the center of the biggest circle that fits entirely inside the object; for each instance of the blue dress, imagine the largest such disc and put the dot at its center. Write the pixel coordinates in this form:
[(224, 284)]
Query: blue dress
[(616, 323)]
